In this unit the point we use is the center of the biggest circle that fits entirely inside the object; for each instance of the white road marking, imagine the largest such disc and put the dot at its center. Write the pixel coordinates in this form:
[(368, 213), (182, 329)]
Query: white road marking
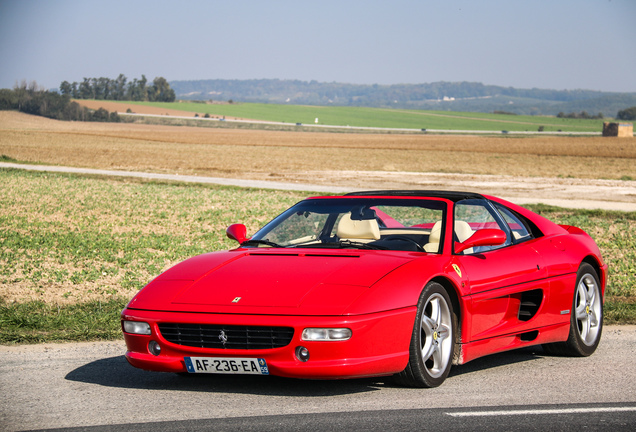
[(541, 411)]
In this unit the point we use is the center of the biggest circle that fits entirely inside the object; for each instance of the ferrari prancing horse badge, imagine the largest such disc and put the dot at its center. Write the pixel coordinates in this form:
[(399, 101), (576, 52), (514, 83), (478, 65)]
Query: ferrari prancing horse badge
[(457, 270)]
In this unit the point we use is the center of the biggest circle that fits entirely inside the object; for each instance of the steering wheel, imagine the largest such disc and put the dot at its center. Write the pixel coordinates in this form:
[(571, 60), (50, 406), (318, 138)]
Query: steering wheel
[(408, 239)]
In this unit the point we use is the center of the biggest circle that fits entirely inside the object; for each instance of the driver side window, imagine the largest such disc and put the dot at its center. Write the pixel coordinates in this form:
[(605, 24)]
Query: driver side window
[(518, 227), (471, 216)]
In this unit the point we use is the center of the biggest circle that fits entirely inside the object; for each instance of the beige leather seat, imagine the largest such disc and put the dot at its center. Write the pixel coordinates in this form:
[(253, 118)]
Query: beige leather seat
[(358, 230), (434, 238), (463, 231)]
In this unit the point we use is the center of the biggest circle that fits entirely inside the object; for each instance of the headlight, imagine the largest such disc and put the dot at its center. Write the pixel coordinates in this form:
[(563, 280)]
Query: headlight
[(326, 334), (137, 327)]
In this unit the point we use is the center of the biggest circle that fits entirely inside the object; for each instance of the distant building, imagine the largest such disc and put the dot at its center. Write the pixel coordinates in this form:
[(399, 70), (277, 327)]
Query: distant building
[(624, 130)]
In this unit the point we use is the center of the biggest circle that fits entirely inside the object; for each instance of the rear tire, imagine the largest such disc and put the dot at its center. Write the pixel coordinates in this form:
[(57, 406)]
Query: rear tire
[(432, 341), (586, 317)]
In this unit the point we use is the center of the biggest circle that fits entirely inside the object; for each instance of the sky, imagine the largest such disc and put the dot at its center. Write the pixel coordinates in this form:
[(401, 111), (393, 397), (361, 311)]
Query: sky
[(548, 44)]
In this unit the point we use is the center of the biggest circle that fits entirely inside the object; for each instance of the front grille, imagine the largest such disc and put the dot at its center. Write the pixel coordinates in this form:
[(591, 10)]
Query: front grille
[(227, 336)]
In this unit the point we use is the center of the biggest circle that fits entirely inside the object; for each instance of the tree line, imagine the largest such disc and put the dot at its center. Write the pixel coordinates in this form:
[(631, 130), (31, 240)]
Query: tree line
[(31, 99), (366, 94), (446, 96), (120, 89), (581, 115)]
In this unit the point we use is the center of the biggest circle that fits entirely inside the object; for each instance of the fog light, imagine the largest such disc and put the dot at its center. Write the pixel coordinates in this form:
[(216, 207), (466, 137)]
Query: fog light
[(154, 348), (302, 354), (137, 327)]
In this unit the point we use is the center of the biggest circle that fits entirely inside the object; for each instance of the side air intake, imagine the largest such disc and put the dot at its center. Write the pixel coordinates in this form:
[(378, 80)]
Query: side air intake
[(530, 302)]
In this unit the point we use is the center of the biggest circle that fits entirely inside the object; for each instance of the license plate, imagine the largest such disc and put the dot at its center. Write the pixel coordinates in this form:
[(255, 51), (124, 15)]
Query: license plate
[(225, 365)]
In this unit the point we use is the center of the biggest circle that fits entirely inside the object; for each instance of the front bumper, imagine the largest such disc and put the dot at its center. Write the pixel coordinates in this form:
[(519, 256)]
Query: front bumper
[(379, 344)]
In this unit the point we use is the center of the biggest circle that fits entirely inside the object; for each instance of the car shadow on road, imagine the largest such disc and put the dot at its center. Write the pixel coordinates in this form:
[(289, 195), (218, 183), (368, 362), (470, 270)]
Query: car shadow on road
[(116, 372), (497, 360)]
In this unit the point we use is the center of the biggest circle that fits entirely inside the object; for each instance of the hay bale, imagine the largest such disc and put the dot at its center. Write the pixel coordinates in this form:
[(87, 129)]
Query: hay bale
[(624, 130)]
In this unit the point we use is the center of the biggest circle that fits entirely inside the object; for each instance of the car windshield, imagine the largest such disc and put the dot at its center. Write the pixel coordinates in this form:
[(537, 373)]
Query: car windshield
[(361, 223)]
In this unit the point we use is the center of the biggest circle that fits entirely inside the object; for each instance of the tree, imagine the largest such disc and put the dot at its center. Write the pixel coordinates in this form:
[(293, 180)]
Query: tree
[(66, 88), (102, 90), (74, 111), (101, 115), (120, 88), (20, 94), (627, 114), (131, 90), (160, 91), (8, 99), (85, 91), (143, 91)]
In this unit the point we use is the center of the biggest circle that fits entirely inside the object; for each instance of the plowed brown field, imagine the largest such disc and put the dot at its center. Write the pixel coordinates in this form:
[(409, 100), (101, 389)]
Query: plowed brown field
[(139, 109), (270, 154)]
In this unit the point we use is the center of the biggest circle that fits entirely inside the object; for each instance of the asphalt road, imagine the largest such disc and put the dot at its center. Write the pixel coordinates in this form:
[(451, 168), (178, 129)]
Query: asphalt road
[(89, 386)]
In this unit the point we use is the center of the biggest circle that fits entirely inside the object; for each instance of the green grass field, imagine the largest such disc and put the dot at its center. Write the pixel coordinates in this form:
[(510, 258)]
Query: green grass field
[(74, 250), (385, 118)]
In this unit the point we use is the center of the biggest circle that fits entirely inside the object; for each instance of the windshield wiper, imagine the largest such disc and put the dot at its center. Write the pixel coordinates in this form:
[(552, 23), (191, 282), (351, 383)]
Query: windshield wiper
[(261, 242), (354, 244)]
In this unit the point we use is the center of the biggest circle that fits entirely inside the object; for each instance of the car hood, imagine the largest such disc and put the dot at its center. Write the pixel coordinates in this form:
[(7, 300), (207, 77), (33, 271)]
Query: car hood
[(268, 282)]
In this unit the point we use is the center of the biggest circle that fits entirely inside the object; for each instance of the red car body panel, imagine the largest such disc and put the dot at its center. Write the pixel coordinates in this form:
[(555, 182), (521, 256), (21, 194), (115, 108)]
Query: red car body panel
[(375, 350), (372, 292), (330, 282)]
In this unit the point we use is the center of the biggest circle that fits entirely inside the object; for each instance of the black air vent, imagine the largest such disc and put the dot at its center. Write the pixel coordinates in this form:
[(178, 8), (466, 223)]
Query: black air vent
[(529, 336), (226, 336), (530, 302)]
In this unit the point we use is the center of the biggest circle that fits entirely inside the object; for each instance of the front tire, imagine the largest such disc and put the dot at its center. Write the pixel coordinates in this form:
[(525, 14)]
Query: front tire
[(432, 341), (586, 317)]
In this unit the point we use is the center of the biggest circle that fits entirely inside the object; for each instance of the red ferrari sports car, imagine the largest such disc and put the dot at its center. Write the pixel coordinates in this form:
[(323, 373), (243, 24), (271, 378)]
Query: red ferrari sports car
[(403, 283)]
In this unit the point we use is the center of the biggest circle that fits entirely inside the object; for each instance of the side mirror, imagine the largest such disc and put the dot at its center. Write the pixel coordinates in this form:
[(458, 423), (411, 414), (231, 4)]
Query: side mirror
[(484, 237), (237, 232)]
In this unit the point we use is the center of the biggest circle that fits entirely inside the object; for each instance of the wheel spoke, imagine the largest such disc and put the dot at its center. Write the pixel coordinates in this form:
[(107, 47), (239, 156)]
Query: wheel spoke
[(438, 359), (427, 337), (443, 332), (582, 294), (427, 325), (581, 313), (591, 293), (593, 319), (585, 327), (435, 312), (428, 349)]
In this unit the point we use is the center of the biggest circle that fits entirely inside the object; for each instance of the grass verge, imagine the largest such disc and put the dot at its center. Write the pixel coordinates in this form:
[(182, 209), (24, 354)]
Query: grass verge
[(36, 321), (74, 250)]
